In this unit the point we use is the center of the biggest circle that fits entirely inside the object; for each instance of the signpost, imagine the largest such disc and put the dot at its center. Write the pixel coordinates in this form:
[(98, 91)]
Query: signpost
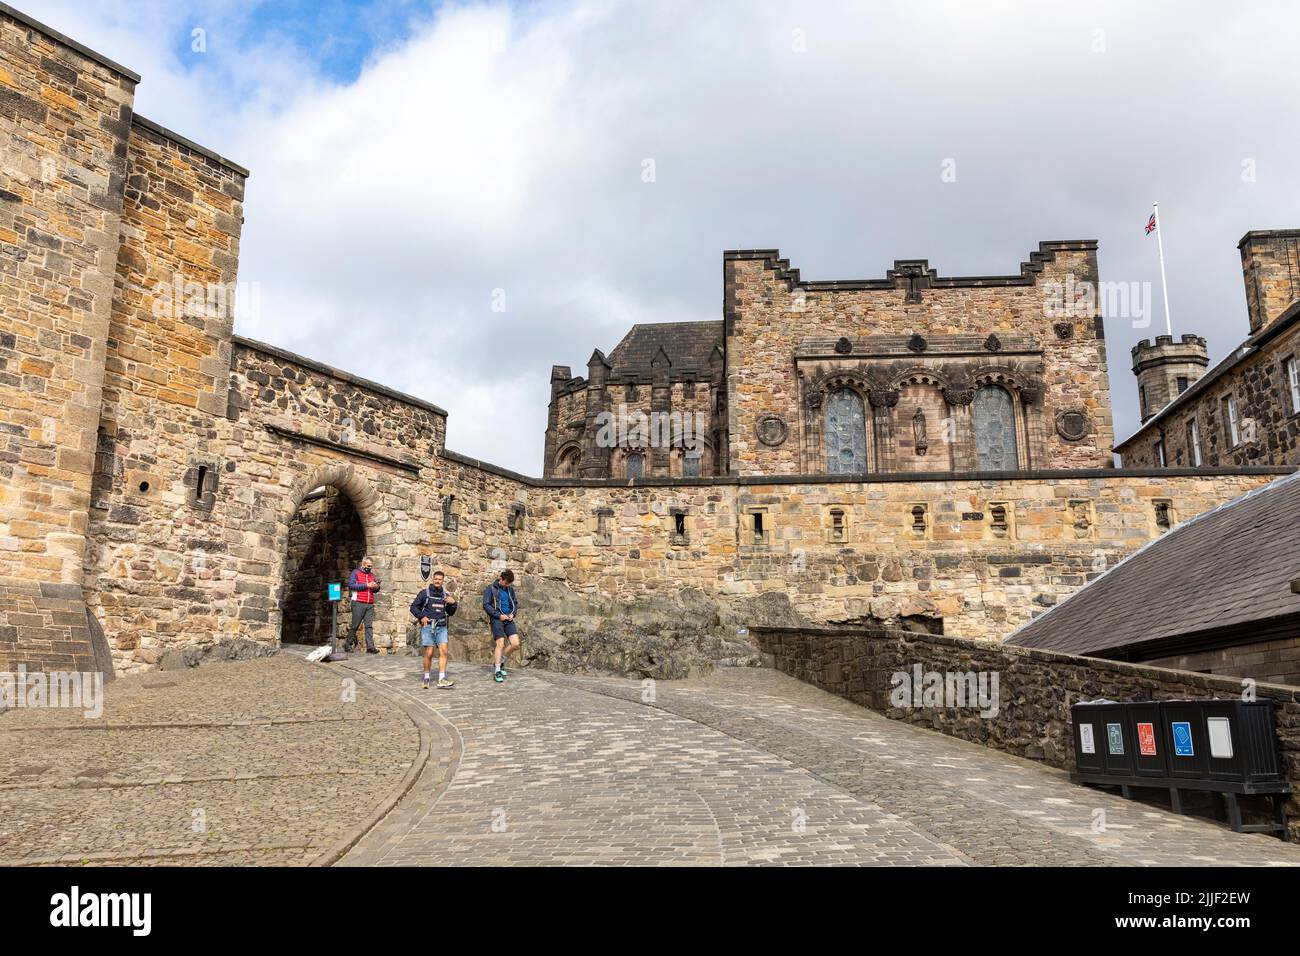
[(335, 595)]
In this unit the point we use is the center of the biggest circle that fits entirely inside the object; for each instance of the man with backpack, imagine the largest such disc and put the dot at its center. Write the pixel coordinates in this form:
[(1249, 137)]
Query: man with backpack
[(433, 608), (501, 605)]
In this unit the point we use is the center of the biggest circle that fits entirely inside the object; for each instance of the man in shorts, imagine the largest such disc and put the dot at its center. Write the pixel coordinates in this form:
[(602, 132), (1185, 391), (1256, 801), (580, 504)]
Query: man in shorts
[(433, 608), (501, 605)]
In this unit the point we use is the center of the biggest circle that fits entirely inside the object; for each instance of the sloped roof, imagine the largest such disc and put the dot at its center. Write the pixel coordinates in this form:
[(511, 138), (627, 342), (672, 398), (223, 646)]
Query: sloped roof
[(687, 345), (1229, 567)]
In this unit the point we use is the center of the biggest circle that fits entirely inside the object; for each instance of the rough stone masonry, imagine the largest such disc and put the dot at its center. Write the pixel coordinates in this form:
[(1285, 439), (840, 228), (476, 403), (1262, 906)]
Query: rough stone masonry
[(154, 462)]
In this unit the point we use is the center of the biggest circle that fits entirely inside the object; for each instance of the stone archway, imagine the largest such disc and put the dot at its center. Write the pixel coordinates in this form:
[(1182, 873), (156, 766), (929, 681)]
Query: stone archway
[(336, 511), (326, 538)]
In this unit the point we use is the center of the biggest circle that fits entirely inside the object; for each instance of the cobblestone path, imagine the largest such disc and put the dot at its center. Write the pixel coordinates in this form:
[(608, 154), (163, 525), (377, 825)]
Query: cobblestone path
[(276, 761), (744, 767), (256, 762)]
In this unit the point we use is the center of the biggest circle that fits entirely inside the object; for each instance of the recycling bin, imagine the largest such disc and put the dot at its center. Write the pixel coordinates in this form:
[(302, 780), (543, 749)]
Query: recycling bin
[(1182, 725), (1241, 741), (1088, 732), (1150, 755)]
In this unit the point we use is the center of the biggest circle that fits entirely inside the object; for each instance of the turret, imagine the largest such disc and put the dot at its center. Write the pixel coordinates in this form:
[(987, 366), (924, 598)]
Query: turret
[(1166, 369)]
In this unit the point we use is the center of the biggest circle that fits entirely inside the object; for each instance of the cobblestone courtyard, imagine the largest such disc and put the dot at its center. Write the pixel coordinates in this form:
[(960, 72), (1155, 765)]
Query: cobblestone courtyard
[(742, 767)]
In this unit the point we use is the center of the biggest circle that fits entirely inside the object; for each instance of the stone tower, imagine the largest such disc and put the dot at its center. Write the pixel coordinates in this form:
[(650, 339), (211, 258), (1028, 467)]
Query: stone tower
[(1166, 369), (1270, 266)]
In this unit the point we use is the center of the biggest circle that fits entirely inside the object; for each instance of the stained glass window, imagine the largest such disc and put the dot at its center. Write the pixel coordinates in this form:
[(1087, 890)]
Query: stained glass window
[(995, 429), (846, 433)]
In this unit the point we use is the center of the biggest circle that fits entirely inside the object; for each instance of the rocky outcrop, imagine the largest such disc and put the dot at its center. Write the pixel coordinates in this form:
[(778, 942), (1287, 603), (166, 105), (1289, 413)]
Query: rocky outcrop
[(228, 649)]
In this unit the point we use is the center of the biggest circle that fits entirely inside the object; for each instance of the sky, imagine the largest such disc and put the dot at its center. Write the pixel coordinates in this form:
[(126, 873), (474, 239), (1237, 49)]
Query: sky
[(450, 198)]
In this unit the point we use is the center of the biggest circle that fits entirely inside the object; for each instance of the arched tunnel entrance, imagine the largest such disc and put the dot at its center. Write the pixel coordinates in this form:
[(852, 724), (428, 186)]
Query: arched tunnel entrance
[(327, 539)]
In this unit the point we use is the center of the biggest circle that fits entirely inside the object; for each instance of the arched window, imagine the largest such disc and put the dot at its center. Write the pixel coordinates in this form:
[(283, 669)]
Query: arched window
[(634, 465), (995, 429), (846, 433), (567, 466)]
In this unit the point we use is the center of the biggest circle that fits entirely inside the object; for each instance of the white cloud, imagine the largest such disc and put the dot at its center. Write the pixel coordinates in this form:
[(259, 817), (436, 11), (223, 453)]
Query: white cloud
[(502, 148)]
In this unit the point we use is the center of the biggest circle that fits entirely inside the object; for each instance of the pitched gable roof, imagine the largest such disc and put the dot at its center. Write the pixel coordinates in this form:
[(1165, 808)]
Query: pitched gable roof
[(1230, 567), (687, 345)]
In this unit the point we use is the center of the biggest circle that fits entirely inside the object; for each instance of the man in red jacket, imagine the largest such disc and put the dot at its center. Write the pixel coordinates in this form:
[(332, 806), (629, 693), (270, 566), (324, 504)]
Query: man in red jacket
[(364, 585)]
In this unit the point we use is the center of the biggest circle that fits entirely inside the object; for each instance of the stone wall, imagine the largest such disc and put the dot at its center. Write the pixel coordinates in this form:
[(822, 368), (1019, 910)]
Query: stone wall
[(65, 118), (1035, 688), (985, 557), (156, 523), (1277, 662), (769, 310)]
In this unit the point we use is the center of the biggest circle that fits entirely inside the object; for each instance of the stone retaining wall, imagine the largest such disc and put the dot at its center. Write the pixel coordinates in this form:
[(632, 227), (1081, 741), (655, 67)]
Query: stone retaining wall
[(1035, 688)]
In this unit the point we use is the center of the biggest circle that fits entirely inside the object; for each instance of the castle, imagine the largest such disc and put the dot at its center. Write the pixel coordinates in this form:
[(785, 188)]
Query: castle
[(917, 448)]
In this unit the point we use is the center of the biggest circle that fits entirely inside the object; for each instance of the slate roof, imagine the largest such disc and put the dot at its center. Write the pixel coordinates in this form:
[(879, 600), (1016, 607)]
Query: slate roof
[(687, 344), (1229, 567)]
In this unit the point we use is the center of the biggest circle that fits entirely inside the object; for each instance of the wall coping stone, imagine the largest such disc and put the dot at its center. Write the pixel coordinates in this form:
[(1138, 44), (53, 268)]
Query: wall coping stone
[(253, 345), (1210, 682), (67, 41), (189, 144)]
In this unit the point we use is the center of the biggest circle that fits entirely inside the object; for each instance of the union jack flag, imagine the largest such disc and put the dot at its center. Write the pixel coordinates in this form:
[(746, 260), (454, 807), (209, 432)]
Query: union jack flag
[(1151, 224)]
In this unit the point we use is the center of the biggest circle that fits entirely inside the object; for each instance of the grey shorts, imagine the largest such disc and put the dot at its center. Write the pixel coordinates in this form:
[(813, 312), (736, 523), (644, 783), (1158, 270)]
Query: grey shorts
[(503, 629)]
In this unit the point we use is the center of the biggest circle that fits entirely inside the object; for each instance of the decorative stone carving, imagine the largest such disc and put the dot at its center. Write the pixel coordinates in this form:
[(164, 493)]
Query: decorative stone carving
[(1072, 424), (1080, 518), (1064, 330), (993, 343), (814, 400), (917, 344), (844, 346), (882, 397), (959, 391), (919, 439), (772, 430), (1031, 392)]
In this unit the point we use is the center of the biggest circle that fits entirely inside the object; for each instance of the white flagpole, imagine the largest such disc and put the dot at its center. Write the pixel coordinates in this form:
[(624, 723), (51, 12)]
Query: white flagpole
[(1164, 283)]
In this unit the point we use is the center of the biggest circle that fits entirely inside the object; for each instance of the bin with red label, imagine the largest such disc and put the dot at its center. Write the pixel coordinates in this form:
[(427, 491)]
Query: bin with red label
[(1150, 757)]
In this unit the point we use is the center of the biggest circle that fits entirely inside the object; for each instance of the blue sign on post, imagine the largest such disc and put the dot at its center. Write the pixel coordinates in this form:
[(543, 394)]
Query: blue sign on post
[(1182, 738), (336, 592)]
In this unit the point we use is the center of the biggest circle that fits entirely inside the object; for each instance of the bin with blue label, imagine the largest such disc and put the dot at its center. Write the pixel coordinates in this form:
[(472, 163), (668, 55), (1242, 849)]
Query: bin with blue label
[(1183, 728), (1224, 748)]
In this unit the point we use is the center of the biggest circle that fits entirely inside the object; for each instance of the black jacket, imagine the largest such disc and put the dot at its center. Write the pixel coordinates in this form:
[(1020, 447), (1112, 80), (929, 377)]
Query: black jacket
[(431, 602)]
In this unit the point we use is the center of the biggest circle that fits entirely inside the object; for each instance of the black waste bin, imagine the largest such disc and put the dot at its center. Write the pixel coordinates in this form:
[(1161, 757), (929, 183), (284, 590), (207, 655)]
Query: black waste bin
[(1088, 732), (1150, 755), (1182, 725), (1241, 741), (1116, 742)]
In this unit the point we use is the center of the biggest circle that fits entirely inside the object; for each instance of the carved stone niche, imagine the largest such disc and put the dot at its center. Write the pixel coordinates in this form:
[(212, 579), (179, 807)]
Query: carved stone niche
[(772, 430), (1072, 424)]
